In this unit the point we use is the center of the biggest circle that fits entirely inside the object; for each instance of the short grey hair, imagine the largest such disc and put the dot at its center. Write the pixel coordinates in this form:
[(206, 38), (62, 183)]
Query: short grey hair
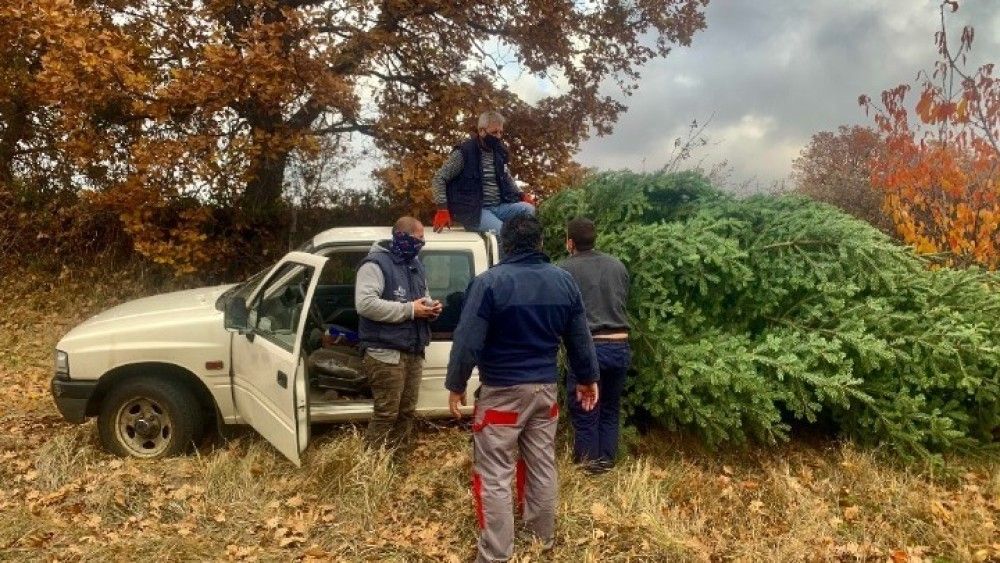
[(488, 117)]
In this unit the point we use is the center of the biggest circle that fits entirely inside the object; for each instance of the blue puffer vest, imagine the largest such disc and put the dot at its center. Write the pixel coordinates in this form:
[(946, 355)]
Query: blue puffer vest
[(404, 282), (465, 191)]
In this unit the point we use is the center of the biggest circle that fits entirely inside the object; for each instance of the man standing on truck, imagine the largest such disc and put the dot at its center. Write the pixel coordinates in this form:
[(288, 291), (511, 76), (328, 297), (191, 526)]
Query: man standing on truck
[(474, 184), (513, 319), (603, 282), (395, 311)]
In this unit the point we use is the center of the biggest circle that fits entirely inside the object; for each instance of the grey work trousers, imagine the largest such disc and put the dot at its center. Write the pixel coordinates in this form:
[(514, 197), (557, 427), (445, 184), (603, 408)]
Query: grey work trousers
[(519, 418)]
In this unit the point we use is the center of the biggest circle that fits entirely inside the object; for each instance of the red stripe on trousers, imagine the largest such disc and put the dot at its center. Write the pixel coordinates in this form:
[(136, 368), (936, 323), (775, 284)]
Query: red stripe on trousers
[(521, 476), (477, 494), (499, 418)]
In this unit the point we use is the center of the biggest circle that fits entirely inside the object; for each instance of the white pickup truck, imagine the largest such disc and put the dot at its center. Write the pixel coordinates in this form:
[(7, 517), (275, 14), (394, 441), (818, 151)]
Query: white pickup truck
[(157, 372)]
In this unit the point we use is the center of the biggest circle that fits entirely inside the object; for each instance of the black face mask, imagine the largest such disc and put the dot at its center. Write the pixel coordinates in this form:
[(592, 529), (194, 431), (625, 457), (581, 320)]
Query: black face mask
[(492, 142)]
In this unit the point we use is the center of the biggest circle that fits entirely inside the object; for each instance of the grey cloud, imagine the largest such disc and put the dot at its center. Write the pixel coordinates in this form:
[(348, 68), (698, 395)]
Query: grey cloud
[(775, 72)]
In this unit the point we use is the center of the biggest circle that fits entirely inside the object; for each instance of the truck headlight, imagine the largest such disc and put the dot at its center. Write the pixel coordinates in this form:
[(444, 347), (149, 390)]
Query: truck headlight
[(62, 364)]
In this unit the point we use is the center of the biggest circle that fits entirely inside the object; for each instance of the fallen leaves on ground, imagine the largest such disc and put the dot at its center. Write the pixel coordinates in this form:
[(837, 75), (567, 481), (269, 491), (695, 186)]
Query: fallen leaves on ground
[(669, 499)]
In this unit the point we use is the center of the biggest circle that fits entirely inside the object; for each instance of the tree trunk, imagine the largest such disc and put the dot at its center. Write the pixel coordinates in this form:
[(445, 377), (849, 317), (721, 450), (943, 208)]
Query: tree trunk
[(14, 130), (261, 201), (262, 198)]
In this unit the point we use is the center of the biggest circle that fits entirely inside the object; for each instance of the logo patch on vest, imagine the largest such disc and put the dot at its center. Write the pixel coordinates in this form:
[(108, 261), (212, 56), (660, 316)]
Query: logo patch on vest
[(400, 294)]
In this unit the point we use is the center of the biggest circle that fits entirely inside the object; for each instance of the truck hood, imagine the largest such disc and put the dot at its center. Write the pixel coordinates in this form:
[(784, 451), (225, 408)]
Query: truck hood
[(168, 309), (182, 329)]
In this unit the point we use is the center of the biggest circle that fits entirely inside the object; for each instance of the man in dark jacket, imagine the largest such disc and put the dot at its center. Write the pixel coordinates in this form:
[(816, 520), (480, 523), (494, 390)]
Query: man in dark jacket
[(395, 310), (603, 282), (474, 184), (514, 318)]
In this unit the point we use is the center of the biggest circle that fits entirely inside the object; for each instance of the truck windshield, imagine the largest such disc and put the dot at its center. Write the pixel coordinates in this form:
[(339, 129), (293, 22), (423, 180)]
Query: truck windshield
[(242, 289)]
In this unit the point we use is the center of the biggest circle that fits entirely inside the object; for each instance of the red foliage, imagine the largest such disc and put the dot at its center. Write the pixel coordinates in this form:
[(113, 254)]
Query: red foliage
[(941, 172)]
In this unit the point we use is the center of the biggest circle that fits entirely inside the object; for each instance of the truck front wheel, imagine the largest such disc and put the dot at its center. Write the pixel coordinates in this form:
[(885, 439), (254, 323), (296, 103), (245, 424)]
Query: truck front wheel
[(149, 418)]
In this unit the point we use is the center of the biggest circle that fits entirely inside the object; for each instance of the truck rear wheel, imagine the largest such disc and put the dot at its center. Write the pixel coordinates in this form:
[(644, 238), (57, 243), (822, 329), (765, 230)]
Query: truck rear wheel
[(149, 418)]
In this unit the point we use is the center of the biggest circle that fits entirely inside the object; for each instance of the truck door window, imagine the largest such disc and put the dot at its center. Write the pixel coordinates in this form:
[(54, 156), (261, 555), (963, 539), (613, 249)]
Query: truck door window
[(335, 292), (275, 313), (448, 275)]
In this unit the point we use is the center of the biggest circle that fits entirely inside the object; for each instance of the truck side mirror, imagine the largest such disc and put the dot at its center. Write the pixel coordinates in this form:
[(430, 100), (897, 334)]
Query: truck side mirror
[(236, 314)]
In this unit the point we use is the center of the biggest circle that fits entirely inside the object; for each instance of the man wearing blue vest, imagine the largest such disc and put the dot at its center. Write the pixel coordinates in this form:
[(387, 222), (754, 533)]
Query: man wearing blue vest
[(395, 311), (514, 317), (474, 185)]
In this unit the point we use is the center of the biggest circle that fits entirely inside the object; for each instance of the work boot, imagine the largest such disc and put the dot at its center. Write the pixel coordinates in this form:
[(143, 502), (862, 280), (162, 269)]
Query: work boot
[(525, 536), (598, 466)]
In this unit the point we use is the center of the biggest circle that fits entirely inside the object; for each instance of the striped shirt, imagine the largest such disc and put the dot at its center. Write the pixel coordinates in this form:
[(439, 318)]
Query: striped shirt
[(453, 167)]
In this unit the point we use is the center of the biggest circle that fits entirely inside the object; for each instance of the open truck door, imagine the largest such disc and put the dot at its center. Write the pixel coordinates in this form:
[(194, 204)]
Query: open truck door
[(269, 381)]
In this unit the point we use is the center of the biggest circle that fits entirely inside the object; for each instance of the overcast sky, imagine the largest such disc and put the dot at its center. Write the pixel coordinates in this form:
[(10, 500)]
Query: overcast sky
[(770, 74), (774, 72)]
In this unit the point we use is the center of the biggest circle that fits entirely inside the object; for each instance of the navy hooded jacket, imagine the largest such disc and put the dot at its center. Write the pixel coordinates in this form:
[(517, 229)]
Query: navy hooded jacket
[(514, 317)]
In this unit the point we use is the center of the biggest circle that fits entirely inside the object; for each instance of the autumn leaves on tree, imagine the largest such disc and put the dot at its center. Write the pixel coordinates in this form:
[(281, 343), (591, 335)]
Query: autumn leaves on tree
[(184, 118), (940, 173), (172, 128), (835, 168)]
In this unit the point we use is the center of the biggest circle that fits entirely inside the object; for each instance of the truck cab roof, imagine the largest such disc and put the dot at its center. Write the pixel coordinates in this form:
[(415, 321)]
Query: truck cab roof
[(341, 235)]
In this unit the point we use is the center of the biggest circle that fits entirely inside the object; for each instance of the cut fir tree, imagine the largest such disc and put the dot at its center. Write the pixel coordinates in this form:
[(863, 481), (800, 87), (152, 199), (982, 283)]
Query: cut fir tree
[(749, 314)]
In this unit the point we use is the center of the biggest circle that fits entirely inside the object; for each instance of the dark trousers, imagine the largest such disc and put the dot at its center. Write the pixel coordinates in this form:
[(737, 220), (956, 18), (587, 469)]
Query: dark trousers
[(595, 433), (395, 388)]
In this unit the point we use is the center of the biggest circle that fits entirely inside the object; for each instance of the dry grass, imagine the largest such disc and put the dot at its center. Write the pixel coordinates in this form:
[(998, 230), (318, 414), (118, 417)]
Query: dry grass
[(63, 498)]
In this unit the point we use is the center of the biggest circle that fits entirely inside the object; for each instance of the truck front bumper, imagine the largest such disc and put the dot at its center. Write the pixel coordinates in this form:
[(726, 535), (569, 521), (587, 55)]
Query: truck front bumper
[(71, 398)]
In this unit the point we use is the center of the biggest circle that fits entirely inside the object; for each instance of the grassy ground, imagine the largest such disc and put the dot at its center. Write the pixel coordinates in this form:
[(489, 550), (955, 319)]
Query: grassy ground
[(63, 498)]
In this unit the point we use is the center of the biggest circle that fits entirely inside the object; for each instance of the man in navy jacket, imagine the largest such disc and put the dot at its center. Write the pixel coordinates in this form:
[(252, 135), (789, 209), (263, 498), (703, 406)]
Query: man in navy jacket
[(513, 320)]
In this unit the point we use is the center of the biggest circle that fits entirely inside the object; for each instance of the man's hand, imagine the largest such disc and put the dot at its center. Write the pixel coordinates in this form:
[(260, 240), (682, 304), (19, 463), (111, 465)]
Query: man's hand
[(587, 395), (437, 308), (454, 401), (529, 198), (442, 219), (423, 310)]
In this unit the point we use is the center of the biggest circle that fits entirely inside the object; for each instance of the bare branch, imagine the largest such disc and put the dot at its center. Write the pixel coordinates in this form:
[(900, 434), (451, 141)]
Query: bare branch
[(363, 128)]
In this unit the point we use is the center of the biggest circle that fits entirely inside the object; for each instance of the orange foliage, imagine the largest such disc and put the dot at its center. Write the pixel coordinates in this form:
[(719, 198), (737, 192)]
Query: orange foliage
[(941, 174), (156, 109)]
